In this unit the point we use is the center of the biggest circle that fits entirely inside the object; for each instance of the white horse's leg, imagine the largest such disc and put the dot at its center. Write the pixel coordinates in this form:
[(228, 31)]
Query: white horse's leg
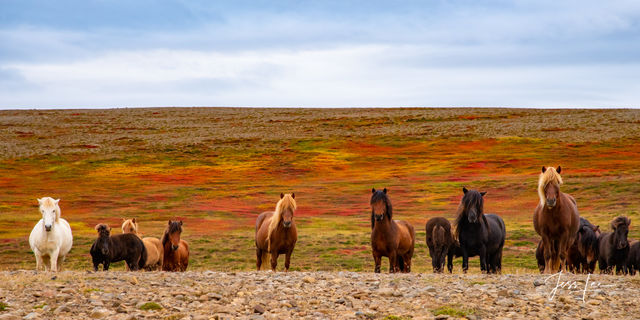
[(38, 255), (60, 260), (54, 259)]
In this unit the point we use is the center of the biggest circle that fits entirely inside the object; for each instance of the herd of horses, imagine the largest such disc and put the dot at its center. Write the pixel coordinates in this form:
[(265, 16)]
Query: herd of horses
[(568, 241)]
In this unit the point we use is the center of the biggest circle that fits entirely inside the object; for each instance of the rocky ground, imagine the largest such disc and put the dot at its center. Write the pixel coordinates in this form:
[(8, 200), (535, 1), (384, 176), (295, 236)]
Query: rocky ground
[(313, 295)]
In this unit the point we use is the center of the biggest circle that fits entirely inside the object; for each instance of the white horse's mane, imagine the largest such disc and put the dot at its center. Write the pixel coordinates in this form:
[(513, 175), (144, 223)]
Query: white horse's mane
[(50, 203)]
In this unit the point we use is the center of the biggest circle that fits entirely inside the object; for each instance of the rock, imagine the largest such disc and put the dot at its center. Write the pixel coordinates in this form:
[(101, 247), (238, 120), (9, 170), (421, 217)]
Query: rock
[(99, 313), (537, 283), (133, 280), (258, 309), (62, 308), (308, 279), (31, 316), (9, 316)]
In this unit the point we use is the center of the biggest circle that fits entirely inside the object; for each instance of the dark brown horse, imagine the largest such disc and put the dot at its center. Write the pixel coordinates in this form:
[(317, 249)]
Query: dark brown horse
[(176, 250), (633, 260), (555, 219), (276, 233), (583, 253), (614, 247), (439, 240), (390, 238)]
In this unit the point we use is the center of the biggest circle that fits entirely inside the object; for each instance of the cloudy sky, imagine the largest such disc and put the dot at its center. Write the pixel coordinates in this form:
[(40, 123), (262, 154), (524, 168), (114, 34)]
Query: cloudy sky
[(77, 54)]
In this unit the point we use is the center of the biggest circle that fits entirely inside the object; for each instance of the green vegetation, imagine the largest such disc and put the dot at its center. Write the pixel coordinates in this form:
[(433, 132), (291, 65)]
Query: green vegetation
[(150, 306), (453, 311), (3, 306)]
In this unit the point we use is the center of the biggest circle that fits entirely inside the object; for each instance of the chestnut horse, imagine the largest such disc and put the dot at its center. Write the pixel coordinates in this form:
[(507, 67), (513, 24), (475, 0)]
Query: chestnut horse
[(276, 233), (176, 250), (555, 219), (390, 238)]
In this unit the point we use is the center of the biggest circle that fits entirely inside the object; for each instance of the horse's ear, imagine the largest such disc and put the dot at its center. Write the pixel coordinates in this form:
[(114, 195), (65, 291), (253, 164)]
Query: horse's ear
[(293, 195), (40, 200), (97, 227), (169, 222), (483, 193), (559, 169), (384, 190), (373, 190), (180, 223), (464, 190), (281, 195), (544, 169), (133, 220), (56, 201), (109, 229)]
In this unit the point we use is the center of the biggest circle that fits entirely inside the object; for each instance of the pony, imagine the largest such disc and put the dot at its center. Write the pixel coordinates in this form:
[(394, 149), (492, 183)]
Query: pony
[(479, 233), (390, 238), (153, 245), (176, 250), (439, 239), (614, 247), (633, 260), (555, 219), (276, 233), (109, 248), (51, 237), (583, 253)]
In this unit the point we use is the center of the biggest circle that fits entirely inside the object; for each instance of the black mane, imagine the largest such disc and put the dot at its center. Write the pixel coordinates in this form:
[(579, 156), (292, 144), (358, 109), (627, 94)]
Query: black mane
[(381, 195)]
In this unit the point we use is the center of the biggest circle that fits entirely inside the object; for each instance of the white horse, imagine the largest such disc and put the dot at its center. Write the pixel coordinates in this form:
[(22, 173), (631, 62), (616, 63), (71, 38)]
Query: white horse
[(51, 238)]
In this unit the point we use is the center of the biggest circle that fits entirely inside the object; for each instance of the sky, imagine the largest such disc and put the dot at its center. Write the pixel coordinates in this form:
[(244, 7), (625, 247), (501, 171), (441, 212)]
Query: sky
[(106, 54)]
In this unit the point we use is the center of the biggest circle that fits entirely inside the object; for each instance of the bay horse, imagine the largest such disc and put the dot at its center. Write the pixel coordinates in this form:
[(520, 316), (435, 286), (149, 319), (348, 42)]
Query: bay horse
[(155, 252), (439, 240), (276, 233), (109, 248), (176, 250), (614, 247), (555, 219), (479, 233), (51, 238), (390, 238)]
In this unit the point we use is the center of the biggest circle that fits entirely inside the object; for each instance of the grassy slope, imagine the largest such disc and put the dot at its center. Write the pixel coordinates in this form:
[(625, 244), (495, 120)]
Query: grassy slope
[(218, 168)]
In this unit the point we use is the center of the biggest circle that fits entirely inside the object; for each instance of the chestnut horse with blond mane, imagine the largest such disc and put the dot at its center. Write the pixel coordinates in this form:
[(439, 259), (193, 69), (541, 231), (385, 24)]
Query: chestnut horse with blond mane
[(555, 219), (276, 233), (390, 238)]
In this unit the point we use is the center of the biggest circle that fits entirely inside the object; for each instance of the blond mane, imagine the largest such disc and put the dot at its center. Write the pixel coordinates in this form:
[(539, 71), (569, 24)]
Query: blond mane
[(549, 176), (130, 222), (286, 202)]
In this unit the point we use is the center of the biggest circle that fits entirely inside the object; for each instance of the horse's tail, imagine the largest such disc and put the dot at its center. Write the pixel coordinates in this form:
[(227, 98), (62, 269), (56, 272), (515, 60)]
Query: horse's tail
[(143, 256)]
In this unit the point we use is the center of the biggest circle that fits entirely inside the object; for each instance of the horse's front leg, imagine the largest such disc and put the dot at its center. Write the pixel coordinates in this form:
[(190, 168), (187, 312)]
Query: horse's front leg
[(38, 255), (465, 260), (54, 259), (258, 258), (287, 260), (450, 260), (393, 262), (483, 259), (377, 261), (105, 265), (407, 263)]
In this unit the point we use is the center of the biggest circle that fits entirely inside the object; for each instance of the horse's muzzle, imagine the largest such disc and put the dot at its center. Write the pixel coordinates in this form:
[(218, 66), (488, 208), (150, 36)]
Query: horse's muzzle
[(174, 247), (551, 203), (622, 245), (379, 217), (286, 224), (105, 252), (47, 228)]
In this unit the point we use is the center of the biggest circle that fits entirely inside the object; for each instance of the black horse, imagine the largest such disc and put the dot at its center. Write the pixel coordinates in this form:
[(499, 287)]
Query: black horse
[(478, 234), (108, 248), (583, 253), (439, 240), (633, 260), (614, 247)]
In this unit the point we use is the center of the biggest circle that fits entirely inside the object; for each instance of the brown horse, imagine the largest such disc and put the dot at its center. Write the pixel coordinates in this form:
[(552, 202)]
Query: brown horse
[(153, 245), (555, 219), (390, 238), (176, 250), (276, 233)]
